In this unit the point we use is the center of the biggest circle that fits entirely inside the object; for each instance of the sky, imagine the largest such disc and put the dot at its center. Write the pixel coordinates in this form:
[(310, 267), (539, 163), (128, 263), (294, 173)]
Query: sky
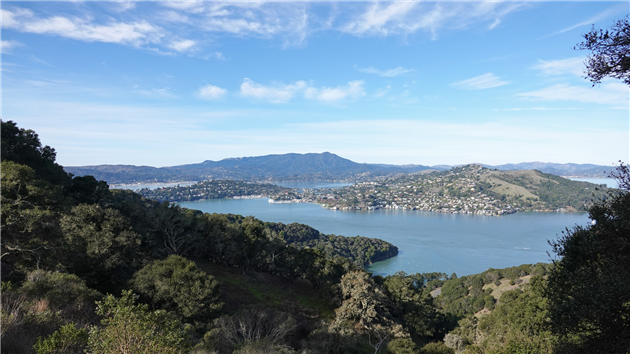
[(171, 83)]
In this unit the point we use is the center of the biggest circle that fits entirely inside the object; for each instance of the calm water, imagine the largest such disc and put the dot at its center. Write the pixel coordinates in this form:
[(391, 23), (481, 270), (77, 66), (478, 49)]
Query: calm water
[(609, 182), (464, 244)]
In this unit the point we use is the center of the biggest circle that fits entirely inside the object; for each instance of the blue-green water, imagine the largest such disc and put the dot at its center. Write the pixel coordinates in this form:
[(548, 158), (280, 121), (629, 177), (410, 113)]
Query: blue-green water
[(464, 244), (609, 182)]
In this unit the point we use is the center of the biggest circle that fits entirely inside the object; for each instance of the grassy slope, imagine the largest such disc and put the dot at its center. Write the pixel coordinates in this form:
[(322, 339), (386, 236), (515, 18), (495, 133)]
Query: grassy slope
[(267, 291)]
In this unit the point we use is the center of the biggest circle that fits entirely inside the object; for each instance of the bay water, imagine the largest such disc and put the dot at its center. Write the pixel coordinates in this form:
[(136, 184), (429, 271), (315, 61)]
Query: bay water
[(427, 241)]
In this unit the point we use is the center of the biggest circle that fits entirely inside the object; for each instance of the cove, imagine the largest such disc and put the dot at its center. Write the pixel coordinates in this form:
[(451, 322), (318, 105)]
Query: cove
[(428, 242)]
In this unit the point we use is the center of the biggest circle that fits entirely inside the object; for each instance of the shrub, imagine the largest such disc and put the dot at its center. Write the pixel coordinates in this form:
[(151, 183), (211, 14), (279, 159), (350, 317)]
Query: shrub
[(177, 284), (249, 326), (436, 348), (402, 346), (58, 289), (135, 328), (66, 340)]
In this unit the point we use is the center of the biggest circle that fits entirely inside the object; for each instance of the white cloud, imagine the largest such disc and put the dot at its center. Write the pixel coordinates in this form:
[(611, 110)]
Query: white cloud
[(182, 45), (172, 16), (383, 19), (480, 82), (195, 6), (275, 94), (386, 73), (134, 33), (354, 89), (573, 66), (291, 22), (6, 46), (615, 94), (211, 92), (281, 93), (122, 6)]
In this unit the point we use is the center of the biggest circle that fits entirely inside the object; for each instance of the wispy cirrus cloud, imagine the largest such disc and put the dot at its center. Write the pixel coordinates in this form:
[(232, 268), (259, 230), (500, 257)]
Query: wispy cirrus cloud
[(210, 92), (282, 93), (170, 25), (131, 33), (615, 94), (7, 46), (384, 19), (387, 72), (573, 66), (480, 82), (600, 16)]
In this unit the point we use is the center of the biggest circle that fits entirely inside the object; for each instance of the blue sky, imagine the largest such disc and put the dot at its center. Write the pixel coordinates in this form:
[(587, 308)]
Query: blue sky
[(168, 83)]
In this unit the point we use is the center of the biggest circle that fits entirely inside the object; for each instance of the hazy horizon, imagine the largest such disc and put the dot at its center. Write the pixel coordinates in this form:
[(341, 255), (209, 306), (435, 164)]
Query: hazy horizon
[(361, 162)]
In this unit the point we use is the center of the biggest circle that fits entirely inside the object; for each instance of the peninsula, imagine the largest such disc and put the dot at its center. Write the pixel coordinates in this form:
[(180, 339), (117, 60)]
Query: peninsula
[(470, 189)]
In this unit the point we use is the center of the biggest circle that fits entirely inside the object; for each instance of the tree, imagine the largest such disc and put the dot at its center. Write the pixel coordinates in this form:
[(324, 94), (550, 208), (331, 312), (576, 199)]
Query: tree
[(132, 328), (176, 227), (610, 52), (29, 216), (102, 246), (23, 146), (588, 290), (176, 284), (365, 310), (411, 304)]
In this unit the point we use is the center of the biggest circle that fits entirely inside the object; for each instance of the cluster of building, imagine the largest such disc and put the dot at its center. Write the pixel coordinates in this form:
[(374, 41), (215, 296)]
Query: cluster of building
[(457, 192)]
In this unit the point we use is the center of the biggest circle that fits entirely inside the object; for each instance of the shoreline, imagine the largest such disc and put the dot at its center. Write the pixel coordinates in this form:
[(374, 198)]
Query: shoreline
[(347, 209)]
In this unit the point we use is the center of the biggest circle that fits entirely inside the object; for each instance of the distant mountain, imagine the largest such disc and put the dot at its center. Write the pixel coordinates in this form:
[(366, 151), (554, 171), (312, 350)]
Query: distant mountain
[(559, 169), (284, 166), (298, 167)]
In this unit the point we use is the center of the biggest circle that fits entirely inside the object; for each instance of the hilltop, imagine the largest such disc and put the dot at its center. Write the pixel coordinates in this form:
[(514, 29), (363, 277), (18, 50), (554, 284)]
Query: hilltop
[(471, 189), (312, 166), (270, 167)]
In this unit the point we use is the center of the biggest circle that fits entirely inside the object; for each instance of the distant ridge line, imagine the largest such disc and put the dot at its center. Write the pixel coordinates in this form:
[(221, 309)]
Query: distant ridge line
[(324, 165)]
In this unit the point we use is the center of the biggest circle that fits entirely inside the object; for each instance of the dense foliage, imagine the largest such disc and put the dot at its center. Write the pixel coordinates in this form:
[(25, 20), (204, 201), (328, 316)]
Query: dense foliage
[(213, 189), (589, 290), (361, 250)]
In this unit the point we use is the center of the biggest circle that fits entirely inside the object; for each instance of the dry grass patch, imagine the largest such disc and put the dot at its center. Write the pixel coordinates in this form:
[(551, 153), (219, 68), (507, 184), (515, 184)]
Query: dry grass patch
[(505, 286), (503, 187)]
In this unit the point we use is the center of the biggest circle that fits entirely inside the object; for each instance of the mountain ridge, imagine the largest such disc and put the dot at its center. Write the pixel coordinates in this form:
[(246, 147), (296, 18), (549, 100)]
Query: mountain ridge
[(324, 165)]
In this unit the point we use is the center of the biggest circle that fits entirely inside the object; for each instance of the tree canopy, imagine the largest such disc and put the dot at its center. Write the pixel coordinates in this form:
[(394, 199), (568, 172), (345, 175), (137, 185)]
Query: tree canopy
[(588, 290), (610, 52)]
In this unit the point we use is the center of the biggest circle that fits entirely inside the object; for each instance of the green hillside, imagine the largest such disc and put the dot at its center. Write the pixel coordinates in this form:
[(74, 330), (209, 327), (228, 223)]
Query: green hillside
[(470, 189), (86, 269)]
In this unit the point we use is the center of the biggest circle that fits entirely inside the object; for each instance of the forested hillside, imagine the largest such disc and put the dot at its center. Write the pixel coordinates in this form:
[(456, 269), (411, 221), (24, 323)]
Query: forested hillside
[(86, 269)]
